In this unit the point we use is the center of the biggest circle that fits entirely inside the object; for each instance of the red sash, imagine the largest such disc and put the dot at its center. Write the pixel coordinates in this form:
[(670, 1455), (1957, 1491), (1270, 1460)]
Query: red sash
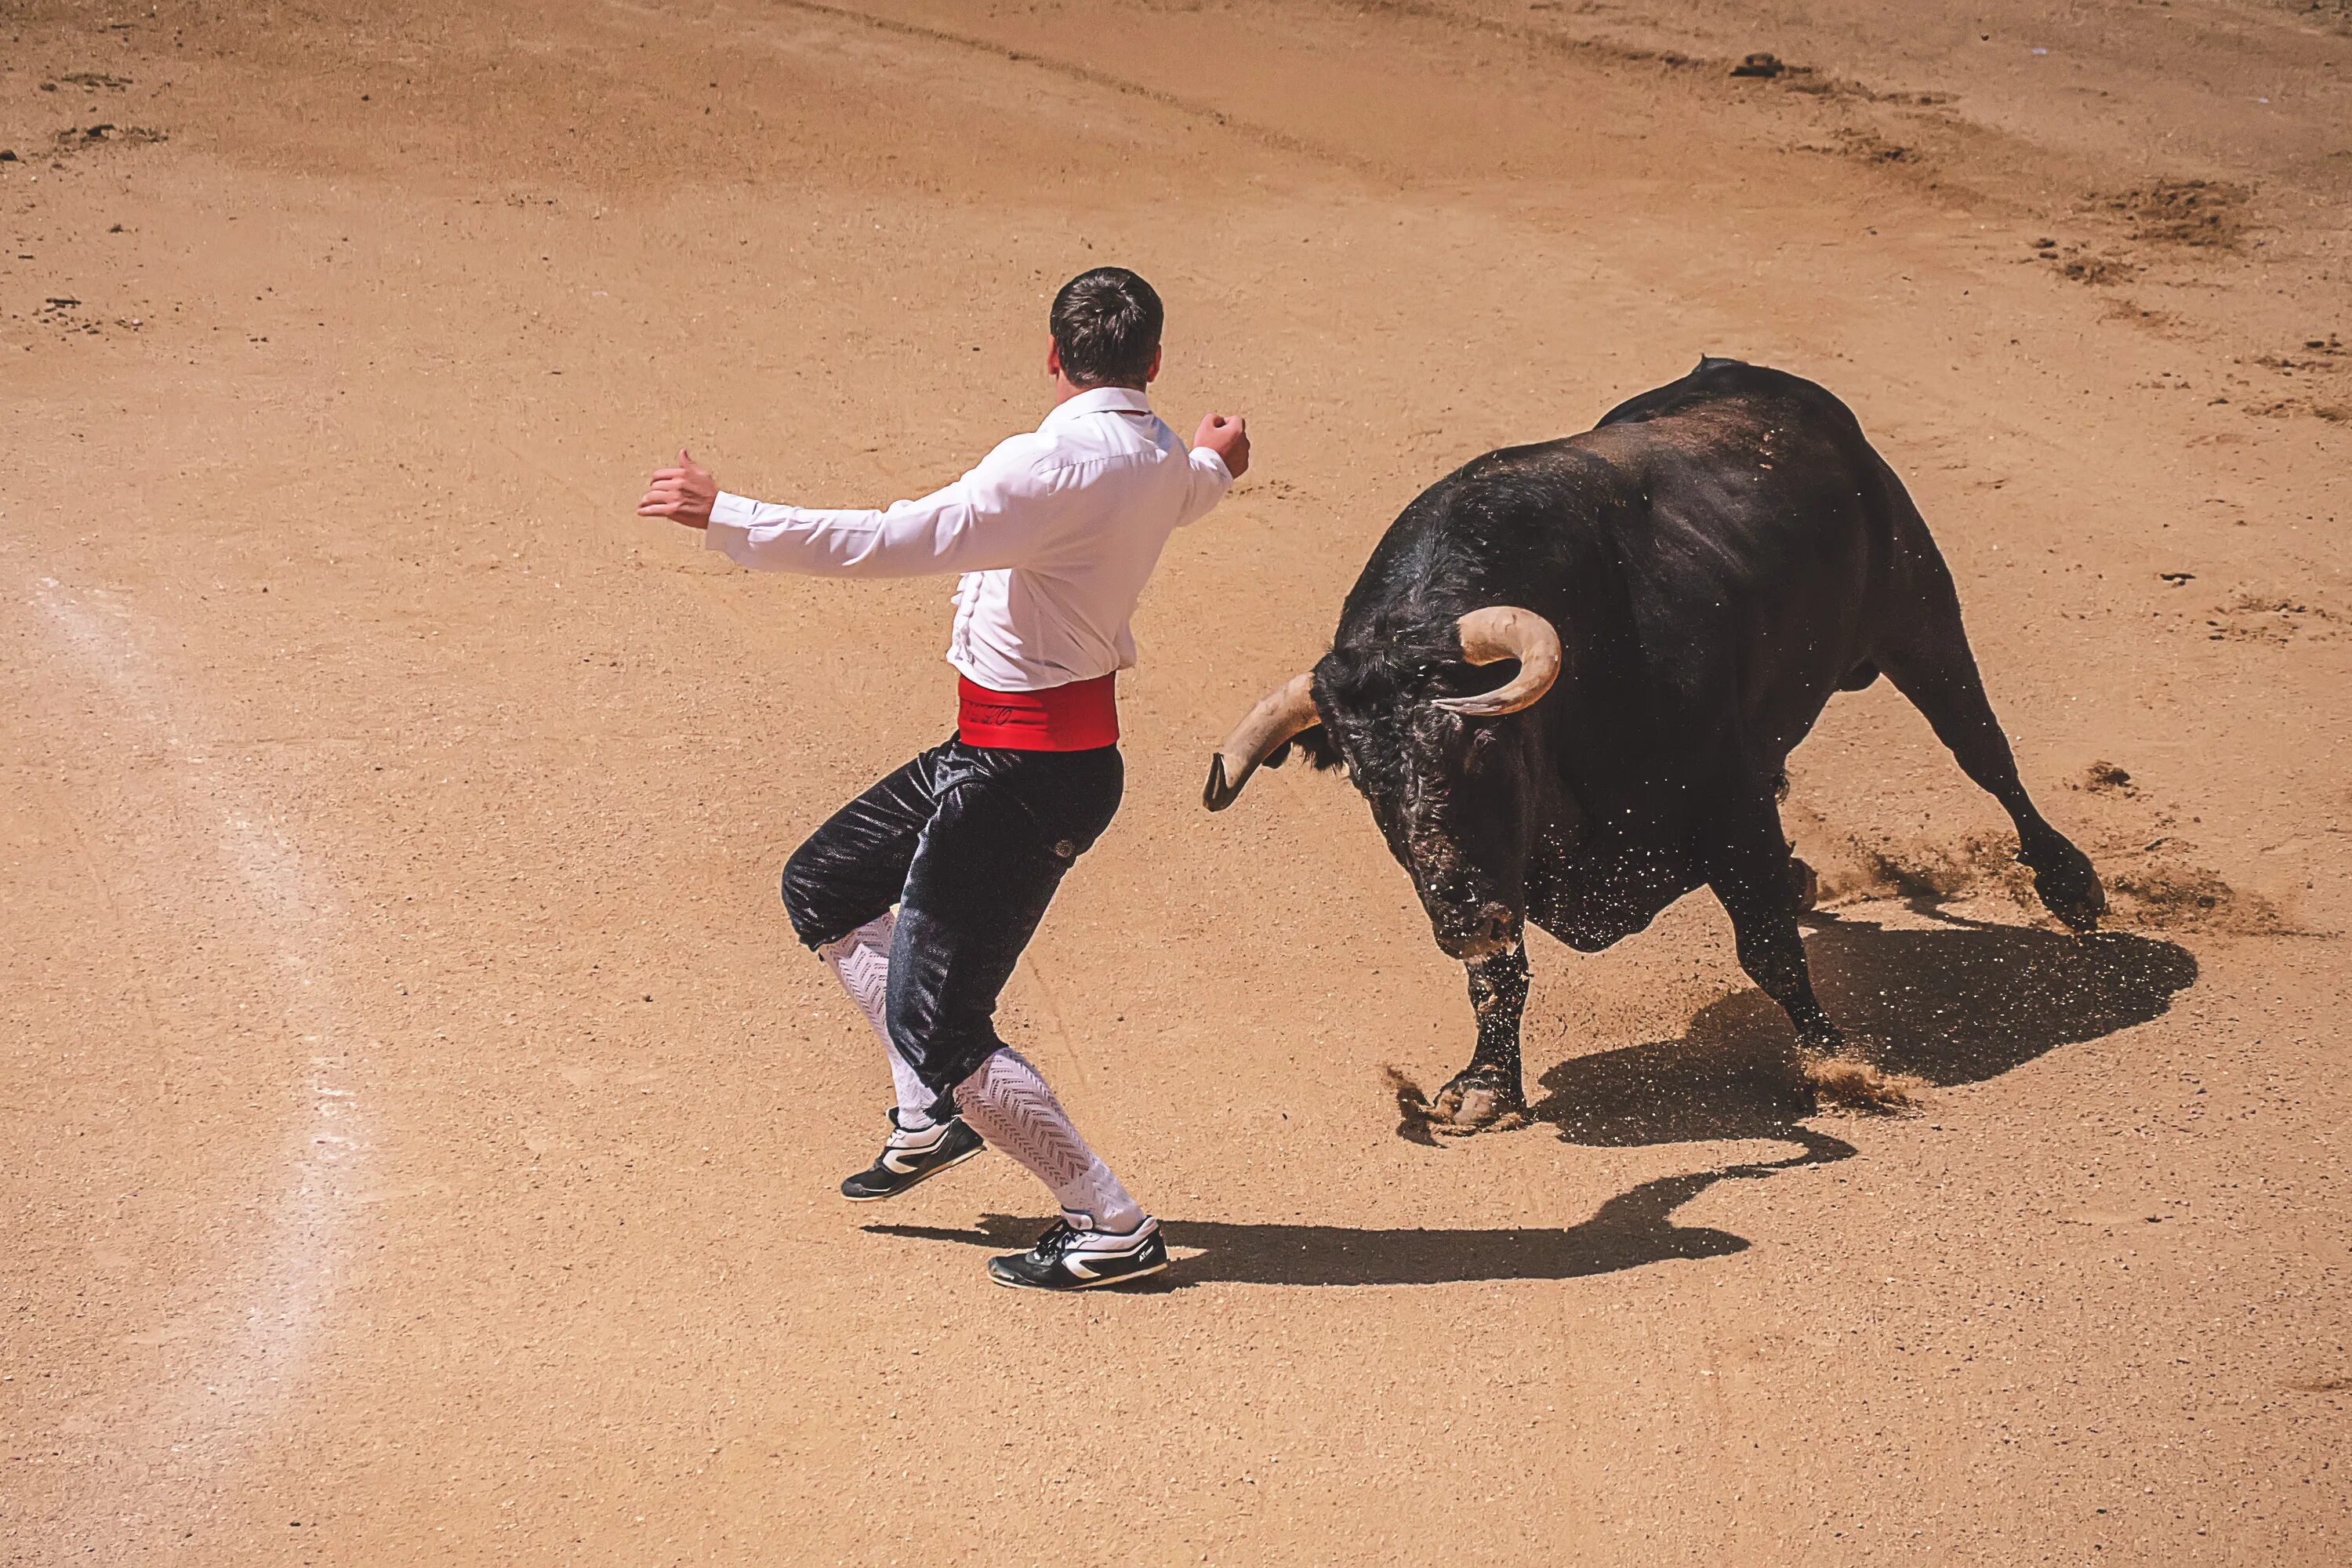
[(1078, 716)]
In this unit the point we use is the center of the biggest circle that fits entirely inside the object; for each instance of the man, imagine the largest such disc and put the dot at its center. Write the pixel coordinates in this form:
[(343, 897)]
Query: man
[(1054, 533)]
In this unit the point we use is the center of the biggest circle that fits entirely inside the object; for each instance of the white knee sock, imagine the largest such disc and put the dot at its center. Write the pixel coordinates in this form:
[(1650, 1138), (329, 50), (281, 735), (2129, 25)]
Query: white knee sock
[(861, 962), (1007, 1103)]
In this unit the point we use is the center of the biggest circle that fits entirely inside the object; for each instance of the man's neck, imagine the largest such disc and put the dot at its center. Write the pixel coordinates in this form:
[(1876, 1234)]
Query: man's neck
[(1065, 389)]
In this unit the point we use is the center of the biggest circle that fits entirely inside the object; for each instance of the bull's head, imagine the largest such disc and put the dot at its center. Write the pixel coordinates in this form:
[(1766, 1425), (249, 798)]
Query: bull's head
[(1452, 790)]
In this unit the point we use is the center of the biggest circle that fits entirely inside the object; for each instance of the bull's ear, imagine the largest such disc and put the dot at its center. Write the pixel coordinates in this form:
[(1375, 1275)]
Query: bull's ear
[(1313, 744)]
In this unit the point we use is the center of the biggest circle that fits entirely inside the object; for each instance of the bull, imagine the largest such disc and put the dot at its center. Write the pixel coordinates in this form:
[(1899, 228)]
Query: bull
[(1570, 677)]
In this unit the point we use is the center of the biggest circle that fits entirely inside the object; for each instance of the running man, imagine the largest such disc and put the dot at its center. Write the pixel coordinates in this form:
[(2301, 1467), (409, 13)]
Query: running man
[(1054, 534)]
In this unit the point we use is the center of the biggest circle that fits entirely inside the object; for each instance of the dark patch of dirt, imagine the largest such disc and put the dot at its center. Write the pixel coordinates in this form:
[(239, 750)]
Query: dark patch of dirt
[(2272, 618), (2079, 263), (2288, 365), (2108, 778), (2099, 272), (65, 314), (1868, 146), (2158, 321), (2335, 14), (2321, 366), (2205, 213), (2289, 407), (2322, 1385), (76, 138)]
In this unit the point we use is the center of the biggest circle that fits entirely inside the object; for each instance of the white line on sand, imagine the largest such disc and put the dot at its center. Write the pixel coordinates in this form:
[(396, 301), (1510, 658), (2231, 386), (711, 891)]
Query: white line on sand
[(281, 1302)]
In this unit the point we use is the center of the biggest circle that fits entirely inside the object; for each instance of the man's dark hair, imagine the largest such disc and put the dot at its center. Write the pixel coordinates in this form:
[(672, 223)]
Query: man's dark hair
[(1106, 328)]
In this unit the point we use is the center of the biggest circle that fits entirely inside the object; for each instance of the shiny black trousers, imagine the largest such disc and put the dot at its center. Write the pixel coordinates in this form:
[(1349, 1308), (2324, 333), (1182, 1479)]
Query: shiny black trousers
[(970, 842)]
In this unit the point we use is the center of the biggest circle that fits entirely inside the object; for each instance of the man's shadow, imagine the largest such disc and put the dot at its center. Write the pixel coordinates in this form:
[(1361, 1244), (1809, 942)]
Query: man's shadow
[(1631, 1229), (1957, 1005)]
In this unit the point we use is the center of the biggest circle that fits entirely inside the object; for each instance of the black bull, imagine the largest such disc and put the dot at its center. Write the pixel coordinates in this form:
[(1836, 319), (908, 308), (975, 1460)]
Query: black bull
[(1669, 600)]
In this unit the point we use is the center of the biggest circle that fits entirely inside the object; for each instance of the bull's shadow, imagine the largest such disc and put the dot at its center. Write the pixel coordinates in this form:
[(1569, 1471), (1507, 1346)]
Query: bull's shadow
[(1954, 1005), (1959, 1004)]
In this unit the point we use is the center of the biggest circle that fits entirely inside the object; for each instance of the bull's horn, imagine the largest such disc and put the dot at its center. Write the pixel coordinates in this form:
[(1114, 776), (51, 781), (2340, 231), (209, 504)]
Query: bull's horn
[(1280, 715), (1499, 632)]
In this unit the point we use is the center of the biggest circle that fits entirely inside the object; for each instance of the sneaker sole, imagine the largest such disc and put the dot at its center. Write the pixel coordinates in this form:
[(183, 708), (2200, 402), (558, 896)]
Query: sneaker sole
[(1083, 1284), (920, 1179)]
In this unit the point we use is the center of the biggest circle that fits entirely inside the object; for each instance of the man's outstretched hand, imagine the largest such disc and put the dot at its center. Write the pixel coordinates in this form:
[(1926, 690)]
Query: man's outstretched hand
[(1226, 435), (686, 492)]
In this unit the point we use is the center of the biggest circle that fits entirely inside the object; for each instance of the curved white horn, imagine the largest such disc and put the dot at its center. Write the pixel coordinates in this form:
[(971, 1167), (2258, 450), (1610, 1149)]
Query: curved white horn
[(1499, 632), (1280, 715)]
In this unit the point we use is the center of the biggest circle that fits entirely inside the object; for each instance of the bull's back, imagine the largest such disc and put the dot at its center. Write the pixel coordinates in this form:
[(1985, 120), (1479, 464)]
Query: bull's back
[(1763, 550)]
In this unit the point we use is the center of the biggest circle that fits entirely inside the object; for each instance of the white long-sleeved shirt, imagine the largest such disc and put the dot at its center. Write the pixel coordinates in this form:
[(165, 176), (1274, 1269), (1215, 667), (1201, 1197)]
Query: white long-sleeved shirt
[(1056, 533)]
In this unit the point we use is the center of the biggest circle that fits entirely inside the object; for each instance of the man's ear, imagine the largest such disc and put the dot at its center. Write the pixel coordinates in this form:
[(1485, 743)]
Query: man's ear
[(1053, 358), (1151, 372)]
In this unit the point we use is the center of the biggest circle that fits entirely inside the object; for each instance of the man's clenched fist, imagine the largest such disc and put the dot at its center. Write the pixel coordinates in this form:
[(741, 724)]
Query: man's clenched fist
[(1226, 435), (686, 492)]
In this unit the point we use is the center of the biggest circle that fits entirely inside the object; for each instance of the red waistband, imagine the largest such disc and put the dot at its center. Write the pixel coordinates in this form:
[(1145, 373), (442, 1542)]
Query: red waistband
[(1078, 716)]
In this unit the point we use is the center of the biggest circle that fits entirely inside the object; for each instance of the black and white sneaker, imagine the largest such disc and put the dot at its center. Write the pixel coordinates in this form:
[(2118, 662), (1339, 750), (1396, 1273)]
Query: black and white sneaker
[(1068, 1259), (907, 1158)]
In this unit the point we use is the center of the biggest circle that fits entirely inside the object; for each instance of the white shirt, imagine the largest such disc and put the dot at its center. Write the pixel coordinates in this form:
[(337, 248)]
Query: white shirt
[(1056, 532)]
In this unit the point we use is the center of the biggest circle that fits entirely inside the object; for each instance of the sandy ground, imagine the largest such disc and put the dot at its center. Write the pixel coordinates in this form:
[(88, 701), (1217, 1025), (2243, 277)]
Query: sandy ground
[(418, 1132)]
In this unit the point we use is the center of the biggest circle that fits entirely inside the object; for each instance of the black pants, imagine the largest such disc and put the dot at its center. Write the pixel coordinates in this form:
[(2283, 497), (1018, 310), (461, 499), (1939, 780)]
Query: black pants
[(970, 843)]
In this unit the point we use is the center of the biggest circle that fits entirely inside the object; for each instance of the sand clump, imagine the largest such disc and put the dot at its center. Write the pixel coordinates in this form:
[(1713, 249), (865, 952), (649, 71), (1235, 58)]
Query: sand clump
[(2153, 896), (2151, 885), (1845, 1082)]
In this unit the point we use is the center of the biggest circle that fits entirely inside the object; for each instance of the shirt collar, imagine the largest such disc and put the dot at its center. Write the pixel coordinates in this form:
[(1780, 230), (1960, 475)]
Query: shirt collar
[(1099, 400)]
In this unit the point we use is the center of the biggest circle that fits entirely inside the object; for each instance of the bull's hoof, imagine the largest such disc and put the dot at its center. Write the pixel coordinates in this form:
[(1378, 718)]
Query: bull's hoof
[(1804, 884), (2068, 886), (1479, 1099)]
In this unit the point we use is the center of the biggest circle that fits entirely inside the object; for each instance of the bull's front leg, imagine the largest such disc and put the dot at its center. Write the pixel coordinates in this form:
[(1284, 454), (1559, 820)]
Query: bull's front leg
[(1488, 1093)]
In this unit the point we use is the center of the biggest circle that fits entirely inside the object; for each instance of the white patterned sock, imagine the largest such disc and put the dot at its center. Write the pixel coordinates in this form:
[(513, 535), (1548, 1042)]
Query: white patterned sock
[(1007, 1103), (861, 962)]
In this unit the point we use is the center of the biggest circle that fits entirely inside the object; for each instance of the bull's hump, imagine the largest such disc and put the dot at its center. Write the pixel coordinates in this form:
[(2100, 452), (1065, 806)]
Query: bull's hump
[(1534, 458), (1718, 382)]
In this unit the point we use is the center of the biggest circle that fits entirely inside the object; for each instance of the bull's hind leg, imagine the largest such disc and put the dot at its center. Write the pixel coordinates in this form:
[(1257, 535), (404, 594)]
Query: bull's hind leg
[(1933, 667), (1488, 1092)]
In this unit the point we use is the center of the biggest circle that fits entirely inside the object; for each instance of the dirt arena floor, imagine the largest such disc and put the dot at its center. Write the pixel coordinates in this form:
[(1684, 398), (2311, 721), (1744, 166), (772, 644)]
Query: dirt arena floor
[(419, 1131)]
